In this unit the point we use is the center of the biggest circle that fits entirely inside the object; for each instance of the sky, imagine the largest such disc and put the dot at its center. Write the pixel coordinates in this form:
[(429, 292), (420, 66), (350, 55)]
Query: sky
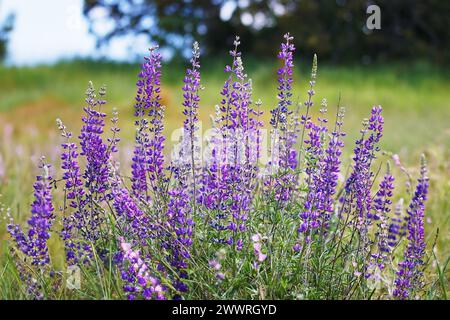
[(49, 30), (46, 31)]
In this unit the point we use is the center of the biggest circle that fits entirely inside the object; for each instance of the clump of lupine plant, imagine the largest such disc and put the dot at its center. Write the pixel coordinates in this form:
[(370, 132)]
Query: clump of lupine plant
[(225, 224)]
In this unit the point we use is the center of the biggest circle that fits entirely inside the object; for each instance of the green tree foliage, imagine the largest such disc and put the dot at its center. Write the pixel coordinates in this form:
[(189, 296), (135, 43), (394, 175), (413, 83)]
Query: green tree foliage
[(336, 29), (5, 28)]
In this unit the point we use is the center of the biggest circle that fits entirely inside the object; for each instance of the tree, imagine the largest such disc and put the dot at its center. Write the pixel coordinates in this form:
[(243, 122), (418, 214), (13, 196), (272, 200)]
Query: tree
[(5, 28), (335, 29)]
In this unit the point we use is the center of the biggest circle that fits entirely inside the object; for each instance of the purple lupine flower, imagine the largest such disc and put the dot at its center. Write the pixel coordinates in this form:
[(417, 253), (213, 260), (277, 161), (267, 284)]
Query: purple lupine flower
[(208, 195), (322, 171), (297, 247), (191, 88), (291, 138), (92, 144), (82, 226), (73, 224), (359, 183), (242, 171), (236, 118), (179, 234), (34, 243), (280, 113), (33, 286), (155, 150), (313, 206), (250, 138), (311, 216), (139, 283), (257, 124), (397, 226), (410, 273), (382, 199), (139, 163), (282, 142), (132, 221), (213, 191), (96, 174), (330, 168), (71, 169), (229, 105), (230, 173), (382, 207), (148, 160), (289, 154)]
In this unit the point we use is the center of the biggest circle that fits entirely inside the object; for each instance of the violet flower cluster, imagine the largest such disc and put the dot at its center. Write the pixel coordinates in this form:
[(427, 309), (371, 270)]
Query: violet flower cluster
[(73, 223), (148, 160), (397, 225), (280, 113), (85, 192), (322, 172), (228, 180), (96, 173), (34, 243), (187, 161), (179, 235), (149, 229), (358, 185), (139, 282), (410, 273), (283, 153), (382, 207)]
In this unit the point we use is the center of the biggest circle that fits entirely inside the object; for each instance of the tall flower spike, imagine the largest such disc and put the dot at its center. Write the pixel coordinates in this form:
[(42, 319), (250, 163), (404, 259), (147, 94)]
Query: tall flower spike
[(228, 107), (313, 215), (189, 155), (71, 169), (382, 207), (282, 149), (34, 243), (410, 274), (280, 113), (179, 221), (92, 144), (148, 160), (359, 182), (75, 222), (226, 164), (397, 226), (97, 155), (310, 216), (330, 168)]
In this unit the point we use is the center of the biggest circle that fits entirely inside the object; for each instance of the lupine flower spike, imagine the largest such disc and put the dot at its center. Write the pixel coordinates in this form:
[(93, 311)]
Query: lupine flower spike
[(34, 243), (410, 274)]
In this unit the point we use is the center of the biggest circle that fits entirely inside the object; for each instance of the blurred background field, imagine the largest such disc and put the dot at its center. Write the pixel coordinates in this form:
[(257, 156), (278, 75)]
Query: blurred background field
[(414, 90)]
